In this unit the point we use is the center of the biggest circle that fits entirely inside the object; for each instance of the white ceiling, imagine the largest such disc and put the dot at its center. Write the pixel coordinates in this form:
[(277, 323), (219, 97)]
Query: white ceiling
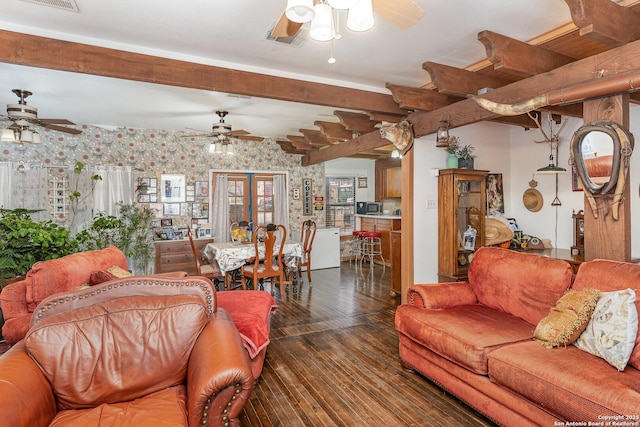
[(232, 34)]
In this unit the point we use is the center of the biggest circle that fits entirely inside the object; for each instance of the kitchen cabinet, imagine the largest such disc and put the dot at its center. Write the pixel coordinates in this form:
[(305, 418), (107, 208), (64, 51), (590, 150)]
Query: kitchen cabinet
[(461, 204), (176, 255), (396, 262), (388, 174), (384, 226)]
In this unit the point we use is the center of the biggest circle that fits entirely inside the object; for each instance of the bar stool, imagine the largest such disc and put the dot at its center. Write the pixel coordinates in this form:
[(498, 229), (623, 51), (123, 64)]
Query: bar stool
[(372, 247), (356, 245)]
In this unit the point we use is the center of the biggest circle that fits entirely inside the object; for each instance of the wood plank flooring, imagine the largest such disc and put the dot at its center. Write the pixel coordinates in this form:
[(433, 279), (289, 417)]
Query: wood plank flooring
[(333, 360)]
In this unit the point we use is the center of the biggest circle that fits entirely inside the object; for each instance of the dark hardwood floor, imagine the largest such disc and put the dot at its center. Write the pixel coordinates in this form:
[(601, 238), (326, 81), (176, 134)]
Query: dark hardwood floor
[(333, 360)]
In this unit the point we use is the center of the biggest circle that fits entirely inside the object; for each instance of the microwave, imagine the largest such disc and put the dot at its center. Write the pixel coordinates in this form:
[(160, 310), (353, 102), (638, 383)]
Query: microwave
[(368, 208)]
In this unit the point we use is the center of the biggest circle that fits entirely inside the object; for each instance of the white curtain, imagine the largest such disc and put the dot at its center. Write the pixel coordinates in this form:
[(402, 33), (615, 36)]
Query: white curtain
[(26, 188), (281, 202), (115, 188), (220, 208)]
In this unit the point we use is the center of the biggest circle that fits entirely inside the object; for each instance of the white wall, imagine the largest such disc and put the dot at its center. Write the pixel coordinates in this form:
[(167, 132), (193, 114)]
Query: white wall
[(510, 150), (355, 167)]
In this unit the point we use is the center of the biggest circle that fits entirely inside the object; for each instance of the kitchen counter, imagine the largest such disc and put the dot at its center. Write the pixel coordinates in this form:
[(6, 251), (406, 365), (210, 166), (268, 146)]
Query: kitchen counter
[(380, 216)]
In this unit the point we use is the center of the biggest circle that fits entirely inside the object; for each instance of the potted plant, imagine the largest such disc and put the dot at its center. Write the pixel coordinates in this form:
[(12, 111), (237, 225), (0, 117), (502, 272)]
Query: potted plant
[(452, 148), (465, 157)]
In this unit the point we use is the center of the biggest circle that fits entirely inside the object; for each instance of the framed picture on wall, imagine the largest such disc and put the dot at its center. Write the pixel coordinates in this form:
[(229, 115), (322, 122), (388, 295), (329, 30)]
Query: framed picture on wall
[(172, 188), (200, 210), (202, 189), (495, 193), (362, 182)]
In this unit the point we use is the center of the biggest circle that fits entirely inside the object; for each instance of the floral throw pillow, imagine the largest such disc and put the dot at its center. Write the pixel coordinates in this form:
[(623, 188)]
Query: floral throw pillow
[(611, 332)]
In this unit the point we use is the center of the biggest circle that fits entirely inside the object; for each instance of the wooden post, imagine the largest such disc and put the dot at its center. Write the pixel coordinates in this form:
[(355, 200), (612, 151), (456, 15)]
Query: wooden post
[(406, 276), (603, 236)]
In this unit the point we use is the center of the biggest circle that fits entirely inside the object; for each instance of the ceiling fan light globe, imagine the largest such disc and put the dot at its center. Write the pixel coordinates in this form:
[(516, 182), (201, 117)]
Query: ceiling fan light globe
[(360, 16), (322, 28), (36, 138), (341, 4), (300, 11), (26, 136), (212, 148)]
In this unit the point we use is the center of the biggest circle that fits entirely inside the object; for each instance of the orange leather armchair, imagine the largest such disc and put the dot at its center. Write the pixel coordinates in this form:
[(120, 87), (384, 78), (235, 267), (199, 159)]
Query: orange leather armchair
[(138, 351)]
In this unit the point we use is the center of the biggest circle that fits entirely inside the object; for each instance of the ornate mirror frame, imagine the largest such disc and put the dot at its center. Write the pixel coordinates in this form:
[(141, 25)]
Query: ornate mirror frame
[(622, 148)]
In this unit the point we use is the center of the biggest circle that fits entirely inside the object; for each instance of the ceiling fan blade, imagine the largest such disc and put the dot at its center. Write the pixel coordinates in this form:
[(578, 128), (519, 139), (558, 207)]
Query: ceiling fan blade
[(45, 122), (238, 133), (401, 13), (251, 138), (285, 28), (71, 131)]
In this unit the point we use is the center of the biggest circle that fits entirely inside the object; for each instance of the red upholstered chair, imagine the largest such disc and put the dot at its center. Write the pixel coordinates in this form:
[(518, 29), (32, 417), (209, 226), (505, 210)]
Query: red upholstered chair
[(138, 351)]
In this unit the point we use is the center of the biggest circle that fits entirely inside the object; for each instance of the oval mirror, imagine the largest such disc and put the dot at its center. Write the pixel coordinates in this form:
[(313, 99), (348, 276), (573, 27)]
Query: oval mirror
[(595, 153)]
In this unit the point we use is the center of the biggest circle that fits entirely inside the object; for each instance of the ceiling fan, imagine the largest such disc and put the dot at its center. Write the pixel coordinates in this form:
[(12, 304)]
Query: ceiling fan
[(23, 115), (222, 131), (401, 13)]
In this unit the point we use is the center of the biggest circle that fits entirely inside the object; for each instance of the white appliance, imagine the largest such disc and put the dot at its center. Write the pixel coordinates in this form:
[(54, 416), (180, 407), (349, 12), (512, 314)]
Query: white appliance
[(325, 252)]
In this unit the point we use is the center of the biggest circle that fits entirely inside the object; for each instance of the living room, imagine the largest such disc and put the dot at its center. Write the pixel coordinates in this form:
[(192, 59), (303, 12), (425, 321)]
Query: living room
[(152, 150)]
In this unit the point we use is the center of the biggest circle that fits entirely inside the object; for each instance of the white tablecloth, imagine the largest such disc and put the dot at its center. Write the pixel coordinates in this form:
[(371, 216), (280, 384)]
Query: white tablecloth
[(230, 256)]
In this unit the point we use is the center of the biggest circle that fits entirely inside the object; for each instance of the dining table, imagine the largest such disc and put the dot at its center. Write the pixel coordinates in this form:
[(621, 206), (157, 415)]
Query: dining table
[(228, 256)]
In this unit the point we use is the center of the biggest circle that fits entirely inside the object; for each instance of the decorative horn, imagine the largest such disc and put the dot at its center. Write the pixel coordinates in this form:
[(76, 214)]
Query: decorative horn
[(512, 109)]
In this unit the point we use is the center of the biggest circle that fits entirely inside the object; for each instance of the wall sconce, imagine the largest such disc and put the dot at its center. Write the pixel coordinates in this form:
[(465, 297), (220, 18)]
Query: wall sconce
[(442, 135)]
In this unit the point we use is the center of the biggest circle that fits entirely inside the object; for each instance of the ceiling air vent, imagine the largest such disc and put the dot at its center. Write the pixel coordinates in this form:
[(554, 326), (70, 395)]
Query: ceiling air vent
[(69, 5), (297, 40)]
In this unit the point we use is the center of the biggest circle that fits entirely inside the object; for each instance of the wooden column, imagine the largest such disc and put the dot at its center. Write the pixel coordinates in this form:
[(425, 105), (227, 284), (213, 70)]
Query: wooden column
[(406, 276), (603, 236)]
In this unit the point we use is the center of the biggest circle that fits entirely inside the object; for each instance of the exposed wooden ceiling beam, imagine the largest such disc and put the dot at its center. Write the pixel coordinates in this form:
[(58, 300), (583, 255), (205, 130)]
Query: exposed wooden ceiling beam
[(300, 142), (458, 82), (377, 116), (315, 137), (413, 98), (287, 147), (333, 130), (356, 121), (366, 142), (43, 52), (519, 58), (605, 21), (616, 62)]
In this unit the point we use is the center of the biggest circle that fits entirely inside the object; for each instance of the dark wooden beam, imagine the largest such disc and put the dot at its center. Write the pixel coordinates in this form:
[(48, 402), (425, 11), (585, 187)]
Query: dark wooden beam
[(301, 143), (519, 58), (287, 147), (377, 116), (619, 61), (43, 52), (413, 98), (366, 142), (605, 21), (315, 137), (333, 130), (356, 121), (458, 82)]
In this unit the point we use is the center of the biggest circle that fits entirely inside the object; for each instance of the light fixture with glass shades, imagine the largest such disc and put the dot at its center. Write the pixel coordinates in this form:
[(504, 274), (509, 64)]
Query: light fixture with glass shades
[(323, 17), (19, 133)]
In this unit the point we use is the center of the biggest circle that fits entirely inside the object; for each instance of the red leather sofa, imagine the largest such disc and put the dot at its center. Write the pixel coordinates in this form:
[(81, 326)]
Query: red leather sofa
[(19, 299), (475, 339), (138, 351)]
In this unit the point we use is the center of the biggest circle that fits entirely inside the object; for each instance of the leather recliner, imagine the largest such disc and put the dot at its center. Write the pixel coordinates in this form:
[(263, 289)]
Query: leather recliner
[(138, 351)]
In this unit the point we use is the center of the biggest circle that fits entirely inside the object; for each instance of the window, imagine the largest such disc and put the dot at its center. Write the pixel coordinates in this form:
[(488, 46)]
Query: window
[(238, 205), (341, 199)]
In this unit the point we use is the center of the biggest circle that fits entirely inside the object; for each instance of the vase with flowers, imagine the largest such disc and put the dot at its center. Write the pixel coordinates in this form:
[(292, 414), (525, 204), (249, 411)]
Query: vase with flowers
[(452, 148)]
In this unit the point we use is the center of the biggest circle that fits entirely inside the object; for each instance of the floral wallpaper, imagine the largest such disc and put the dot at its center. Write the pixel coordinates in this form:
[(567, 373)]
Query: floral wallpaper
[(153, 152)]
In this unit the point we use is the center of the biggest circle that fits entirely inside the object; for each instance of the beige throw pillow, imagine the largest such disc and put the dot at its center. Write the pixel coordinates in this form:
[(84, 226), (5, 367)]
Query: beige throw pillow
[(567, 319)]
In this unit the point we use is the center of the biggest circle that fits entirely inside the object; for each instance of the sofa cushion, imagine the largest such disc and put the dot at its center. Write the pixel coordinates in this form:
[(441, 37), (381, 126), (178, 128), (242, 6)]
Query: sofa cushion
[(163, 408), (634, 359), (117, 350), (524, 285), (112, 273), (607, 275), (566, 381), (463, 334), (612, 330), (567, 319), (69, 272)]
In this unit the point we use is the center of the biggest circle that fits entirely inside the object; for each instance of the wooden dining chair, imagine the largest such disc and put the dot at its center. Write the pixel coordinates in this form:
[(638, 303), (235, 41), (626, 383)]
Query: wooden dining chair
[(206, 269), (307, 234), (270, 266)]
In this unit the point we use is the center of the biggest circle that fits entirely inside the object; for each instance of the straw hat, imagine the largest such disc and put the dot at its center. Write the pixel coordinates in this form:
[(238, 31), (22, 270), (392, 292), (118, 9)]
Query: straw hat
[(532, 199), (496, 232)]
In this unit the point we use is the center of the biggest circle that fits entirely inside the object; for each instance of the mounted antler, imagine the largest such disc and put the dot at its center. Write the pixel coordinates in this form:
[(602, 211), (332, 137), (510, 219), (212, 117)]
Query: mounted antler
[(554, 139)]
